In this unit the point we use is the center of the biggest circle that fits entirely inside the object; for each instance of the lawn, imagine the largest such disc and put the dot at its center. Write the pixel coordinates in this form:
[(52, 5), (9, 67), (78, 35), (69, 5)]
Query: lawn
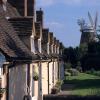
[(84, 84)]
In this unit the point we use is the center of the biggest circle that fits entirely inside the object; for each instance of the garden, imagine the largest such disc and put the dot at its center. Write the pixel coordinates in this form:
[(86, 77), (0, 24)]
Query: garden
[(84, 84)]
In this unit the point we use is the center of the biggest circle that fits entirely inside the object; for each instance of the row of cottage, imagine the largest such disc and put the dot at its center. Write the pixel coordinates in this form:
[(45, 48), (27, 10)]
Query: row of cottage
[(30, 56)]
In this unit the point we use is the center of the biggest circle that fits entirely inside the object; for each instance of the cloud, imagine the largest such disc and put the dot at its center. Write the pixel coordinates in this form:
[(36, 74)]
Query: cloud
[(82, 2), (45, 3), (54, 24), (72, 2)]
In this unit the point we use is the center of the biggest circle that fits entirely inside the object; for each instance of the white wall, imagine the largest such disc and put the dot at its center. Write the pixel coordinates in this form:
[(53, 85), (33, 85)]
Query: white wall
[(44, 78), (50, 76), (17, 82)]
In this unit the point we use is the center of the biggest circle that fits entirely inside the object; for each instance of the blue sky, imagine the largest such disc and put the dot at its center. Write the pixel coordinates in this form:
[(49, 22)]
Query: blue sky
[(61, 17)]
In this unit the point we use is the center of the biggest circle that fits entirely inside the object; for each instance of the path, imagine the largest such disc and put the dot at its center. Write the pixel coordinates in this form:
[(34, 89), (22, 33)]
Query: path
[(66, 89)]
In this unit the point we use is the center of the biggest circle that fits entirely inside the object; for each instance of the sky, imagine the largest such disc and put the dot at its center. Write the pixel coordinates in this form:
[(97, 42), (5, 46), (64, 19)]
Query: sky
[(61, 16)]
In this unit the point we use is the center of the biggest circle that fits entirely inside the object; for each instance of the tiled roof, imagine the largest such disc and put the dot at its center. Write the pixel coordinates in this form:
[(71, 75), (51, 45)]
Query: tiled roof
[(19, 5), (10, 44), (22, 25), (10, 11)]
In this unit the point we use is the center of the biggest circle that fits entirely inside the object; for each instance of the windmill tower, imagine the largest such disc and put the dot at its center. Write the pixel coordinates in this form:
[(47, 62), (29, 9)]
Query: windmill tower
[(89, 31)]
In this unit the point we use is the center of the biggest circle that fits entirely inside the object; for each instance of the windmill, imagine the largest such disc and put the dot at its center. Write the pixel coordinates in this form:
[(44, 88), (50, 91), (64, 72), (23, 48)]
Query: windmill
[(89, 31), (81, 23)]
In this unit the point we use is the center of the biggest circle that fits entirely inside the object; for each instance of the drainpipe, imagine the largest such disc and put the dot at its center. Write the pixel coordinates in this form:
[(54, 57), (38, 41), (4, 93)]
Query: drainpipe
[(40, 81), (48, 75), (58, 69), (53, 73)]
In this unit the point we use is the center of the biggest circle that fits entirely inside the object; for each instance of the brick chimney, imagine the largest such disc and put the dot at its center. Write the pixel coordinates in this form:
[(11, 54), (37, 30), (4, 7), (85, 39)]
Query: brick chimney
[(58, 46), (38, 36), (45, 40), (51, 42), (24, 7), (39, 16), (61, 48), (55, 48)]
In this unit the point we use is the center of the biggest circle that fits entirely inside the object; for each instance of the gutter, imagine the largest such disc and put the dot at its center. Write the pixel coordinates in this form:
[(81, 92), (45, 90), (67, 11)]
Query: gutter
[(48, 74)]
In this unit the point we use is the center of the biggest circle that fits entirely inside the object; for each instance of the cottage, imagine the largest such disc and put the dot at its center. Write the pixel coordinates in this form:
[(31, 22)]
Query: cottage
[(16, 53), (30, 64)]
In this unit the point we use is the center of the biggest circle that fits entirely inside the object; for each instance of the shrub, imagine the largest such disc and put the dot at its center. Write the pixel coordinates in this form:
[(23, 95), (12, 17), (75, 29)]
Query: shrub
[(54, 90), (57, 87), (74, 72), (2, 90), (79, 68), (36, 76), (67, 74), (92, 70), (67, 65), (59, 83)]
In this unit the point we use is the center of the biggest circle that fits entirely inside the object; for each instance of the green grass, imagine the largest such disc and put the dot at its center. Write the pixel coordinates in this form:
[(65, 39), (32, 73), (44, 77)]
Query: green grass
[(84, 84)]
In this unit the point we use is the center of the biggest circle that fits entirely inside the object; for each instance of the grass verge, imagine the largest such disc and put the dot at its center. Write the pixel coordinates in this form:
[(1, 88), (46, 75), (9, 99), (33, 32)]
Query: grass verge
[(84, 84)]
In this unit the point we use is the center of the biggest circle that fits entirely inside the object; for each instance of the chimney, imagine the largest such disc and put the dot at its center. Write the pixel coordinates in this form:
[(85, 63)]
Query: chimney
[(51, 42), (45, 40), (51, 38), (39, 16), (38, 35), (45, 35), (54, 44), (24, 7), (61, 48), (57, 46)]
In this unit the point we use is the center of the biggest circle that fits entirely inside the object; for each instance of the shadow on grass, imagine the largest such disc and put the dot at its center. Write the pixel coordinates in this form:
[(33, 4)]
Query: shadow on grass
[(82, 84), (70, 97)]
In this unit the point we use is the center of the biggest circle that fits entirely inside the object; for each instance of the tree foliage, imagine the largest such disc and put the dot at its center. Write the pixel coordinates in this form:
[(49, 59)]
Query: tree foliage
[(88, 55)]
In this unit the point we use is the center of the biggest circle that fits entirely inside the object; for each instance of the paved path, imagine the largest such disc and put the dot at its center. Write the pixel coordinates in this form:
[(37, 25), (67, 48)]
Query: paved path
[(66, 89)]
